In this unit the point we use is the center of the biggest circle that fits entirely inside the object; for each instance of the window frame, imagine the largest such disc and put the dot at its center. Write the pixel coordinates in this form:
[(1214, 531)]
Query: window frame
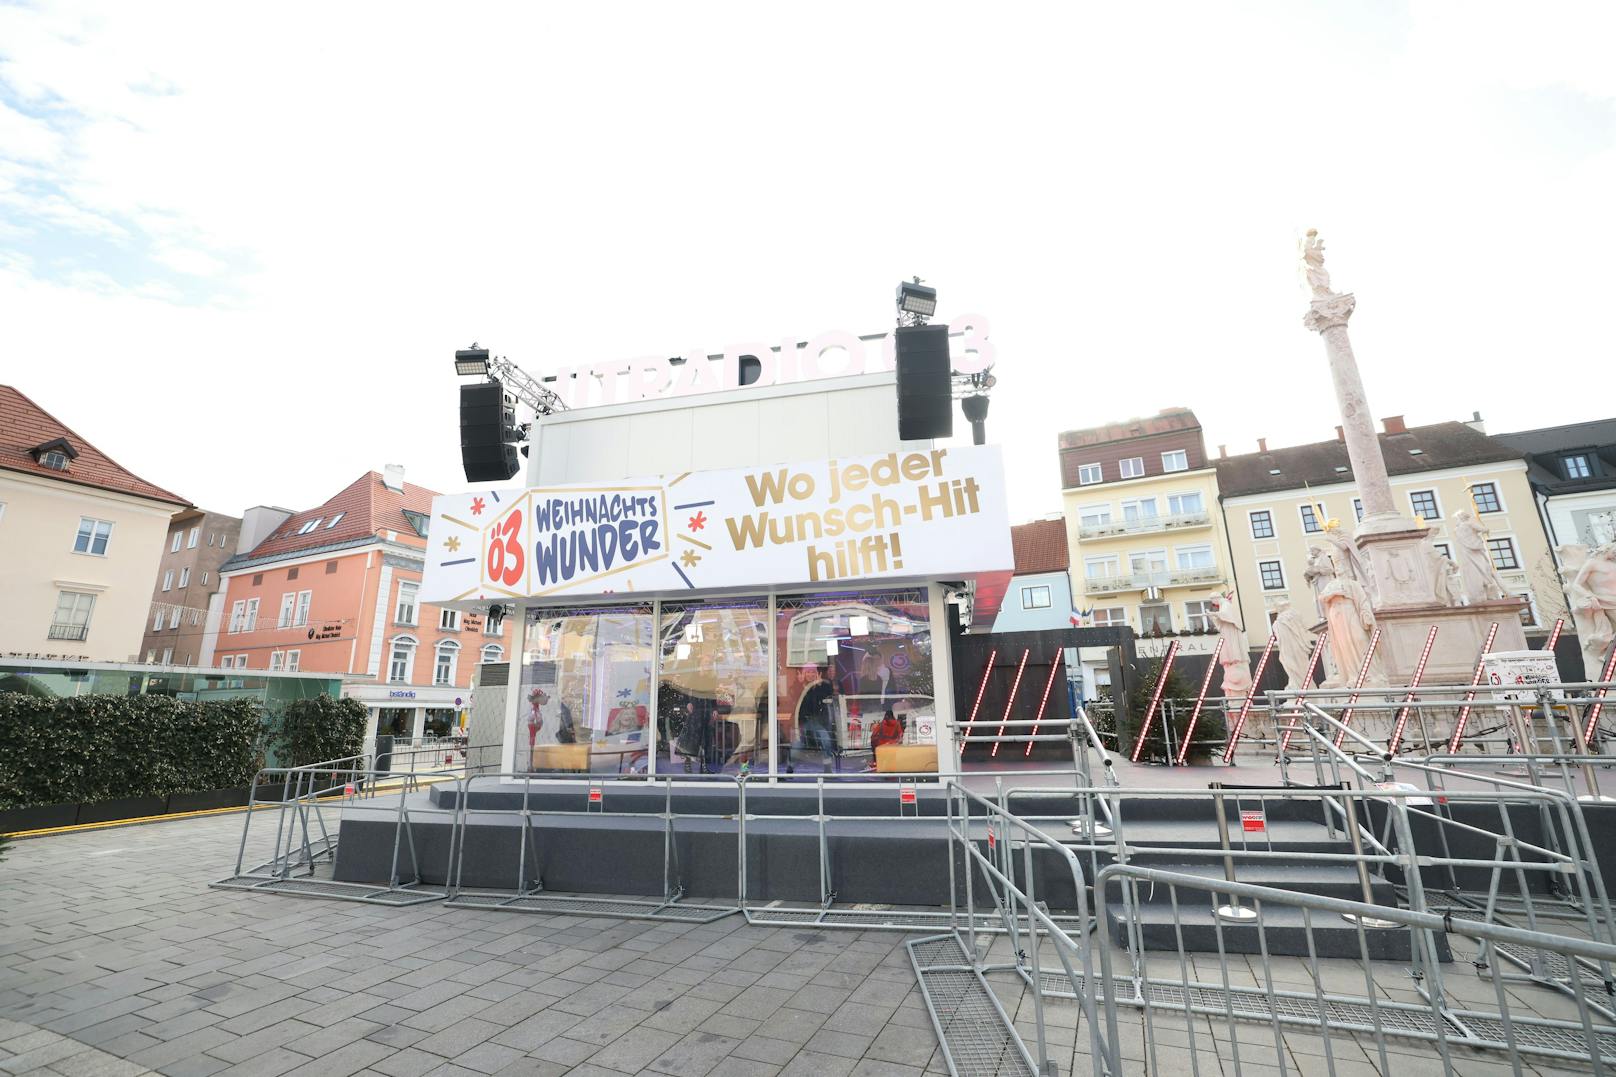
[(1163, 604), (1268, 520), (1497, 497), (309, 525), (294, 660), (1139, 516), (1181, 453), (91, 536), (179, 537), (168, 579), (185, 576), (1197, 547), (415, 603), (1109, 622), (73, 611), (1587, 465), (1514, 553), (176, 617), (238, 616), (1116, 565), (305, 601), (283, 619), (1357, 510), (451, 616), (409, 645), (499, 655), (191, 539), (1031, 590), (445, 677), (1262, 575), (1436, 503), (1310, 512), (1085, 511), (1151, 554), (251, 618), (1122, 467), (157, 619), (1181, 510), (1205, 616), (1099, 474)]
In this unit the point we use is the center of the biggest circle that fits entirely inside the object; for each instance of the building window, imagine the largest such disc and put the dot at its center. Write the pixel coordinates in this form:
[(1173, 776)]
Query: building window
[(493, 652), (1272, 574), (1089, 474), (190, 540), (55, 460), (204, 579), (168, 580), (449, 620), (185, 576), (335, 520), (1423, 502), (1485, 497), (1094, 515), (92, 537), (157, 620), (1183, 504), (1147, 561), (210, 538), (1139, 510), (288, 604), (1262, 524), (1100, 568), (330, 568), (168, 655), (241, 661), (174, 547), (1577, 467), (294, 659), (291, 574), (250, 621), (443, 669), (407, 590), (1035, 598), (276, 658), (1133, 467), (1357, 508), (1198, 616), (1528, 611), (1110, 617), (196, 618), (1311, 524), (304, 600), (72, 617), (238, 614), (175, 616), (402, 661), (1194, 557), (309, 525), (1177, 460), (1157, 618), (1444, 549), (1503, 553), (151, 656)]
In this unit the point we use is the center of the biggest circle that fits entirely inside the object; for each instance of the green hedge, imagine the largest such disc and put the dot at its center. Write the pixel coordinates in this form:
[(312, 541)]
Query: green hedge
[(83, 749), (320, 729)]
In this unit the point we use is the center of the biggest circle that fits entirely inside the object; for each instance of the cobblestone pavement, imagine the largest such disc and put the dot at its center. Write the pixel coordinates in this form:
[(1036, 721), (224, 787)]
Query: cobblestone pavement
[(117, 959)]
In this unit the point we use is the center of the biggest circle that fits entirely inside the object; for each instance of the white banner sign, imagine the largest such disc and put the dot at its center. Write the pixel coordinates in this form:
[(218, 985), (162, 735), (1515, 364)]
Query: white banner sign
[(928, 514)]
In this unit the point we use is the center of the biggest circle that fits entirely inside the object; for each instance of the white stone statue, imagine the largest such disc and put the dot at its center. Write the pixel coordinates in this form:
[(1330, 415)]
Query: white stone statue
[(1319, 572), (1481, 580), (1318, 278), (1350, 620), (1295, 647), (1590, 583), (1235, 657), (1444, 574), (1348, 559)]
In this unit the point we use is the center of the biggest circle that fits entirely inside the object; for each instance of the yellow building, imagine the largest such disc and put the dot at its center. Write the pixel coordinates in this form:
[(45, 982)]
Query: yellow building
[(80, 541), (1276, 504), (1146, 540)]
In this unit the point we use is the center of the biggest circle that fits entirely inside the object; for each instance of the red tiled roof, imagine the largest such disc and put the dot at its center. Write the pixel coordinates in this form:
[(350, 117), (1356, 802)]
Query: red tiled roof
[(367, 507), (24, 425), (1163, 422), (1039, 547)]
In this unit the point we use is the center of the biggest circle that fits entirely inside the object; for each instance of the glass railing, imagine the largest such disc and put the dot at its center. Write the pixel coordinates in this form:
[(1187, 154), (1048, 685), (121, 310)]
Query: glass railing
[(1145, 525)]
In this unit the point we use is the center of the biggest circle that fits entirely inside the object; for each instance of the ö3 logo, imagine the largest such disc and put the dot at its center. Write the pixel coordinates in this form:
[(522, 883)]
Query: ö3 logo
[(553, 540)]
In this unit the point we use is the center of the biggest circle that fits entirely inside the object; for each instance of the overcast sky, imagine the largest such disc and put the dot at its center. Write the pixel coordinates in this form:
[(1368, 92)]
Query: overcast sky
[(239, 244)]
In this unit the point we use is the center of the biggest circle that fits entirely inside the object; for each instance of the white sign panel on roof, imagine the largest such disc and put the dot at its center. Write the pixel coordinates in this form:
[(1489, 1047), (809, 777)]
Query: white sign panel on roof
[(926, 514)]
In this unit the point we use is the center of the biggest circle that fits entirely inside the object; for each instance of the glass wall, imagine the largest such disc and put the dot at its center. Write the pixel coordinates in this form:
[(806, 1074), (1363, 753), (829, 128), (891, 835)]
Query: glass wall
[(585, 691), (684, 687)]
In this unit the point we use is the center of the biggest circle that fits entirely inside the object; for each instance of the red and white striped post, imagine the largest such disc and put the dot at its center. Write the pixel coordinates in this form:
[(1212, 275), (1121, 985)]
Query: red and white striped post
[(1245, 709), (1307, 682), (1015, 685), (1195, 715), (1155, 700), (1357, 684), (987, 671), (1554, 634), (1475, 679), (1408, 700), (1599, 698), (1054, 668)]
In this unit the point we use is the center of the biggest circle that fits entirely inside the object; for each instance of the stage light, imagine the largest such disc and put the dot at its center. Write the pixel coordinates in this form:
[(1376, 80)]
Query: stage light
[(917, 299), (472, 362)]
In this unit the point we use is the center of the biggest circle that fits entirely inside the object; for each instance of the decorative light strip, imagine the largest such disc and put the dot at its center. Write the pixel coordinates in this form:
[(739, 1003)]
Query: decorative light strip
[(1245, 709), (1475, 679), (1155, 698), (1408, 700), (1554, 634), (1054, 668), (1195, 715), (987, 671), (1011, 702), (1599, 695), (1307, 683), (1357, 684)]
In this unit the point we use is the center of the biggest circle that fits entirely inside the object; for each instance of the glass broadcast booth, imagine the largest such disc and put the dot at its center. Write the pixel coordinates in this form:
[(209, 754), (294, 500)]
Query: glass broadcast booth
[(755, 577)]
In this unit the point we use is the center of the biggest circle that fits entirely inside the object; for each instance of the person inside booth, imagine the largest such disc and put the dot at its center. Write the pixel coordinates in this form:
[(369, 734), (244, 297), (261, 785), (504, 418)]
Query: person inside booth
[(887, 731)]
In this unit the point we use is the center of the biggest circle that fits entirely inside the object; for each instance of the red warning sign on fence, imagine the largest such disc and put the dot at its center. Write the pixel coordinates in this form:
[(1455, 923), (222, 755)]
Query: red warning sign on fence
[(906, 794), (1252, 820), (595, 794)]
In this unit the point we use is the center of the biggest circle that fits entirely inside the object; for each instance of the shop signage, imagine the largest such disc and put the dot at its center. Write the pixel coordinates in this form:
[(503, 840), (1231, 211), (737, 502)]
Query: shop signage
[(398, 693), (333, 631), (924, 514), (828, 355)]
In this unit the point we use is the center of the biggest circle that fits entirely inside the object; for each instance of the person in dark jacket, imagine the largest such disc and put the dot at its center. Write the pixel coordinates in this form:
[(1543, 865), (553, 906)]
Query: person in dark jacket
[(815, 714)]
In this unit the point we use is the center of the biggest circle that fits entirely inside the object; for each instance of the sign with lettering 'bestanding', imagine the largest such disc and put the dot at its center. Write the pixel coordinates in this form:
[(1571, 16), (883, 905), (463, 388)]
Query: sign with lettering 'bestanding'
[(933, 513)]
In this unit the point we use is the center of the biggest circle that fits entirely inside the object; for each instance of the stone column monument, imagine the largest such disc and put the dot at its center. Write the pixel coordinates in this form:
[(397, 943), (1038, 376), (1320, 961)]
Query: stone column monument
[(1409, 596)]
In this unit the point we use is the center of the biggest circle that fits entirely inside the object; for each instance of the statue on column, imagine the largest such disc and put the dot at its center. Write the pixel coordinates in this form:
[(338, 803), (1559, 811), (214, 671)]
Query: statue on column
[(1235, 657), (1444, 573), (1295, 641), (1476, 568), (1590, 582), (1350, 620), (1346, 558), (1318, 278)]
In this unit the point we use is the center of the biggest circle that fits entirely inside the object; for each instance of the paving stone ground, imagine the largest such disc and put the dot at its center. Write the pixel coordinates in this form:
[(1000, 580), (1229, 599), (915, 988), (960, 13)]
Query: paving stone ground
[(116, 958)]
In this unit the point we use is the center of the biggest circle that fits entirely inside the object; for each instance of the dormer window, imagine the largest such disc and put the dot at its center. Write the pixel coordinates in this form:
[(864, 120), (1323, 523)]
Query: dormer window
[(419, 521), (309, 526), (55, 454)]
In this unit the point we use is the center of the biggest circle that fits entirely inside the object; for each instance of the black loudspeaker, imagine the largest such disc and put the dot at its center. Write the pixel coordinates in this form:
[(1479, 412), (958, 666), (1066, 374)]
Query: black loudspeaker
[(488, 433), (925, 383)]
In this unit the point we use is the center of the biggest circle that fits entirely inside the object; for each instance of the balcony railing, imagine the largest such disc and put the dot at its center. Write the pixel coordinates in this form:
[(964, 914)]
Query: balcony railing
[(74, 632), (1183, 521), (1139, 581)]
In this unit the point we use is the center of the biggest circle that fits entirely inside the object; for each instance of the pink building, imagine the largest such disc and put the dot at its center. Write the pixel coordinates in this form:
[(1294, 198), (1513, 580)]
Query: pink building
[(333, 589)]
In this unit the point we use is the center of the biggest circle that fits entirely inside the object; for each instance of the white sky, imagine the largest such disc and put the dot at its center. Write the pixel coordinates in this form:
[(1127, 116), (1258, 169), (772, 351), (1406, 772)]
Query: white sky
[(239, 245)]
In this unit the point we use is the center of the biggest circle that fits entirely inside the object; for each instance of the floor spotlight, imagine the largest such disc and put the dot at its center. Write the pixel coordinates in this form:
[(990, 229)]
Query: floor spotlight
[(916, 302), (472, 362)]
